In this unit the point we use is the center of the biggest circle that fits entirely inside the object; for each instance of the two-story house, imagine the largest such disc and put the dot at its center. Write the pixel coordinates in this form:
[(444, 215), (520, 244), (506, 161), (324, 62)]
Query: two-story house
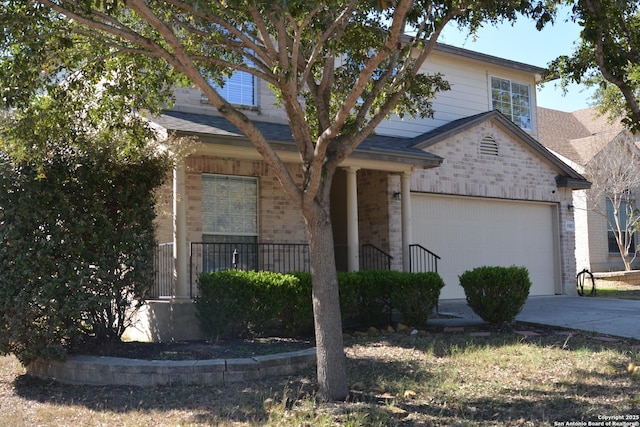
[(581, 138), (467, 188)]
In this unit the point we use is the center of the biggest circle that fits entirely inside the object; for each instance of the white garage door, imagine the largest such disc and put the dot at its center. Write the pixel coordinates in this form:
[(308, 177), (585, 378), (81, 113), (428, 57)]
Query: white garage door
[(469, 232)]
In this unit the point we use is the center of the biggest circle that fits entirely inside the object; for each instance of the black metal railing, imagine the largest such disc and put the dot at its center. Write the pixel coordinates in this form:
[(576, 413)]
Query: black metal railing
[(374, 258), (163, 273), (276, 257), (422, 259)]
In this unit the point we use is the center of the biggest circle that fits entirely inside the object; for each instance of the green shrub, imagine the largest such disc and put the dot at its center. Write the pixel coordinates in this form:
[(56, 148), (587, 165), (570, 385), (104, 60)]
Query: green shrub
[(281, 304), (296, 313), (349, 289), (496, 294), (249, 303), (77, 239), (223, 303), (366, 296), (415, 295)]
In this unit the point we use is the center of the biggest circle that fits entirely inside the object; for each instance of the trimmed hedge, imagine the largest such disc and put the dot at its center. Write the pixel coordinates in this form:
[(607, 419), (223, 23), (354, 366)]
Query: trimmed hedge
[(416, 295), (496, 294), (248, 303)]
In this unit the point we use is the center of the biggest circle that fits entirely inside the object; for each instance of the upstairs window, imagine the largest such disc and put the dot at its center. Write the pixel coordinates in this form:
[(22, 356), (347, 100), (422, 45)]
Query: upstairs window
[(239, 89), (513, 100)]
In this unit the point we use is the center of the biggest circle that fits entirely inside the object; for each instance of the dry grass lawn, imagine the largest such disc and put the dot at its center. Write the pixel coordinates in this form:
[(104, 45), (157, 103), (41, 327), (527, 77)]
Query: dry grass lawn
[(435, 378), (618, 290)]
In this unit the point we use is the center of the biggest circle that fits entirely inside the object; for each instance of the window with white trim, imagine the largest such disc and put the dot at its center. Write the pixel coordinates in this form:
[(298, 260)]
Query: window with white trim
[(513, 100)]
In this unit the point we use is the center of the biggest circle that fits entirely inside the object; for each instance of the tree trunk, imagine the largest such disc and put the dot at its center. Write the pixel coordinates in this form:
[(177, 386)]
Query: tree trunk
[(331, 360)]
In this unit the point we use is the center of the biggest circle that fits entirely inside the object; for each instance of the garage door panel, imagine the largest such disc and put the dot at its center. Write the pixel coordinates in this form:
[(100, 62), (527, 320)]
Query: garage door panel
[(472, 232)]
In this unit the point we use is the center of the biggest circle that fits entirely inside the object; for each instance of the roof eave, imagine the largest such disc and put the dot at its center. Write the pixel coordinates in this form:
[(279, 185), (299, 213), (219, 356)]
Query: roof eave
[(572, 183), (425, 161)]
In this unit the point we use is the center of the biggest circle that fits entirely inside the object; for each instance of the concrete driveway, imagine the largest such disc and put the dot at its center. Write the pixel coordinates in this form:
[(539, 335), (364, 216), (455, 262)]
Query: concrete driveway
[(602, 315)]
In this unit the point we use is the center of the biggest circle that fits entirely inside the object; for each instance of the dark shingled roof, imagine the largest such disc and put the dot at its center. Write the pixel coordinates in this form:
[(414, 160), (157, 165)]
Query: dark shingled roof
[(579, 135), (375, 146)]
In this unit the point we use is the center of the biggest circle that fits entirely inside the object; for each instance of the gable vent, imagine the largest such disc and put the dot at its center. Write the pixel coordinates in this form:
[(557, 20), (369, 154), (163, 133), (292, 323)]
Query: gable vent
[(489, 146)]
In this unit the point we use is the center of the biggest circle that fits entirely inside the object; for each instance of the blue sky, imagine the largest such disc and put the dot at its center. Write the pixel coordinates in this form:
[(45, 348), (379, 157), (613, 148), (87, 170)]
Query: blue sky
[(523, 43)]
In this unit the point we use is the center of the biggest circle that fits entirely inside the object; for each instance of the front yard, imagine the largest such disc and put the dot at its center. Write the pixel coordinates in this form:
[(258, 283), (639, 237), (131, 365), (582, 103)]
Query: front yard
[(617, 290), (520, 375)]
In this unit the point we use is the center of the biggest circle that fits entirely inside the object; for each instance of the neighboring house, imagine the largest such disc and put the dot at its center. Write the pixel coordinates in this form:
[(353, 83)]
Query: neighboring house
[(579, 138), (471, 185)]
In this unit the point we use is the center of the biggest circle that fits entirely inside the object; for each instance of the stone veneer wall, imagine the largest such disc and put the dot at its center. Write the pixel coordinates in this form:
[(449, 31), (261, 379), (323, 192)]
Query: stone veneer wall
[(117, 371)]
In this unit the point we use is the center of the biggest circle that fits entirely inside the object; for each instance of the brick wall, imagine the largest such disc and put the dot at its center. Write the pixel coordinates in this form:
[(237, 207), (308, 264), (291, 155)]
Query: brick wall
[(279, 220), (164, 211), (379, 214), (517, 173)]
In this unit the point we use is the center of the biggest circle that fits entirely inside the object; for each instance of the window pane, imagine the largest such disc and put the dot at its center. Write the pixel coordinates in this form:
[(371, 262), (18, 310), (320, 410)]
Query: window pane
[(229, 205), (623, 216), (239, 89), (513, 100)]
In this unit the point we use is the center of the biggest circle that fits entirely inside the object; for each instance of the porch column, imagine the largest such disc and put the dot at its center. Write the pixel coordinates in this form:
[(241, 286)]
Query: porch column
[(180, 247), (353, 250), (405, 206)]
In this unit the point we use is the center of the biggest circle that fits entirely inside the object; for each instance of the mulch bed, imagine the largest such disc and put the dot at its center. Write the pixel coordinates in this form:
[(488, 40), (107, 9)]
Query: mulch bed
[(194, 350), (243, 348)]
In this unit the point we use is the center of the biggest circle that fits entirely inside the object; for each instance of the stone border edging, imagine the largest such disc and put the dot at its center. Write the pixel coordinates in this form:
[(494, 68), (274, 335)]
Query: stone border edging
[(99, 370)]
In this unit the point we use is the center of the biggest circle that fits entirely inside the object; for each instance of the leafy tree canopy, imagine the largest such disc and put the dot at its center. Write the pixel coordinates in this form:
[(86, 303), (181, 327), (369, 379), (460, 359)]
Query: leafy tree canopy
[(77, 211), (607, 57), (338, 68)]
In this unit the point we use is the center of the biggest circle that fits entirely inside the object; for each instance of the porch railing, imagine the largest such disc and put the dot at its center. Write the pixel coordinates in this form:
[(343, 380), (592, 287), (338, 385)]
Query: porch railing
[(276, 257), (422, 259), (374, 258)]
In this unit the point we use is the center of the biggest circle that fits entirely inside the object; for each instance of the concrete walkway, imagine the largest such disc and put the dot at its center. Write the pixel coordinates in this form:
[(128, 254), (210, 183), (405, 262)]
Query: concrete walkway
[(602, 315)]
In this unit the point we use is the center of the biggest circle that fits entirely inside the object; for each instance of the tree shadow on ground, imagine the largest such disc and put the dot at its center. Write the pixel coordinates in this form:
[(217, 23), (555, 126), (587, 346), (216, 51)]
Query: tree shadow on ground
[(235, 402), (420, 362)]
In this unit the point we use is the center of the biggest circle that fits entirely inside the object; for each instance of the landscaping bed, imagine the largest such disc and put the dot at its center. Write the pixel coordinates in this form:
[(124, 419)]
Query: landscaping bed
[(195, 350), (242, 348), (516, 375)]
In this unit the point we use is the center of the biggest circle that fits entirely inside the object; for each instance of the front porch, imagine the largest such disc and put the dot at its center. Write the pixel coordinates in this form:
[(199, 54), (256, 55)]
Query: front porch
[(276, 257)]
